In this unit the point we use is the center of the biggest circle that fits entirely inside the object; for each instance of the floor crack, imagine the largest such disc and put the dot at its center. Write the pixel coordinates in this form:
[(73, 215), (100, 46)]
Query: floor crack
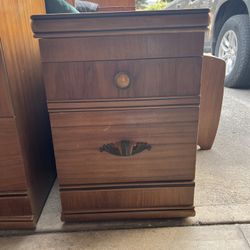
[(242, 232)]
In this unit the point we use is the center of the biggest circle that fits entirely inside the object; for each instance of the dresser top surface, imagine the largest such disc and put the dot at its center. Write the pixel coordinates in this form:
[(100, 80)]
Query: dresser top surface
[(61, 25), (119, 14)]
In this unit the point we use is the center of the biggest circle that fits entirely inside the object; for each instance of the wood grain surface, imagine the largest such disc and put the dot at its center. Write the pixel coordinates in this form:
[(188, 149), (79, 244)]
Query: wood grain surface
[(120, 23), (212, 89), (159, 53), (126, 199), (148, 78), (5, 100), (12, 173), (170, 131), (127, 47), (137, 215), (27, 162)]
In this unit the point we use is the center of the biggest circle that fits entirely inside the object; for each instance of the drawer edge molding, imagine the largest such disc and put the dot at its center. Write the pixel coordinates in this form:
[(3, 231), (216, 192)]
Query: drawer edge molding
[(93, 186), (51, 25), (73, 105), (17, 222), (133, 210), (154, 214), (13, 194)]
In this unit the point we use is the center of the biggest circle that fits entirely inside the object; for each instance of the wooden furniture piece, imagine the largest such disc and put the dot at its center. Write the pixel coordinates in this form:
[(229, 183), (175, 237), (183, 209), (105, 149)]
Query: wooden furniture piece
[(112, 5), (26, 155), (212, 88), (123, 103)]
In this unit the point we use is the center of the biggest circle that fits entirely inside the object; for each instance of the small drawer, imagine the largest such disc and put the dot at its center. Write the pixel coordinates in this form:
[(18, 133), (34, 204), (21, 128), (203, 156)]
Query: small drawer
[(127, 199), (157, 144), (122, 79)]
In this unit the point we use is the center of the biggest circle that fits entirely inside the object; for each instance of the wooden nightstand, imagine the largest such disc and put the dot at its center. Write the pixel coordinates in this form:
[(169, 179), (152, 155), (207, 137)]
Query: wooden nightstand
[(123, 96)]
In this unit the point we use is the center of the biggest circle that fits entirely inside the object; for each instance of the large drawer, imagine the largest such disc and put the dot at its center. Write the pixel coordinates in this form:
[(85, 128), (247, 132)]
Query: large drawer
[(122, 79), (123, 199), (154, 144)]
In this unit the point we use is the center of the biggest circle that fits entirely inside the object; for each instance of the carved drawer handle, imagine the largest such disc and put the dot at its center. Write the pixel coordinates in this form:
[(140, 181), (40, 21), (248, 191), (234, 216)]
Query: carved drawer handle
[(122, 80), (125, 148)]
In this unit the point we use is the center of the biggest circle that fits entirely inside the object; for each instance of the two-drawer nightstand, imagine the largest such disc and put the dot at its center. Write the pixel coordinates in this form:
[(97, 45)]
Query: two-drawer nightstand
[(123, 96)]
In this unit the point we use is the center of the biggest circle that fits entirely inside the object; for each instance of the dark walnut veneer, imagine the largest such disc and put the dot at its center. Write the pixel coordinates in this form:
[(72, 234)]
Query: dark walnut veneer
[(123, 96), (27, 169)]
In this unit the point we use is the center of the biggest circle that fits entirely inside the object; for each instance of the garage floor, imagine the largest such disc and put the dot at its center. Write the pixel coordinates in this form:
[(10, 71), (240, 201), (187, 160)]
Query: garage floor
[(222, 200)]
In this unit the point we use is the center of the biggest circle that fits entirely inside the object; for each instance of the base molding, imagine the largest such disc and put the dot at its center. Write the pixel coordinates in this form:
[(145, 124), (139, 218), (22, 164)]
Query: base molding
[(17, 222), (154, 214)]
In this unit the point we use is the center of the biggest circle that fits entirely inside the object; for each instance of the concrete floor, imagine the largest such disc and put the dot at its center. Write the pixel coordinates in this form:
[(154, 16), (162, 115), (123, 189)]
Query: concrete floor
[(196, 237), (222, 200)]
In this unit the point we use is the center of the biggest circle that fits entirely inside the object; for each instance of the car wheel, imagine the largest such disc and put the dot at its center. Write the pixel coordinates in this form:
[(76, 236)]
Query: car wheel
[(233, 46)]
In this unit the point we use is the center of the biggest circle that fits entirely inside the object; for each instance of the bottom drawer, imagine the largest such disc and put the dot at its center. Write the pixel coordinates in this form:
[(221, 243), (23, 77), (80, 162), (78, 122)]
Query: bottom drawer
[(16, 211), (145, 197), (101, 146), (11, 206)]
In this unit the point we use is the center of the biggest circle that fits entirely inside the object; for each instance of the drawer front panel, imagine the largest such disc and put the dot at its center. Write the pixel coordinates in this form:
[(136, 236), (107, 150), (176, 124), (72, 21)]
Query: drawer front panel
[(12, 176), (126, 199), (146, 78), (172, 156), (127, 46), (14, 206)]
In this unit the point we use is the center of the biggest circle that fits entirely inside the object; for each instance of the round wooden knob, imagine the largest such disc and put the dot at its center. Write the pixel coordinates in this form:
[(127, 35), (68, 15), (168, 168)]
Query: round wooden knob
[(122, 80)]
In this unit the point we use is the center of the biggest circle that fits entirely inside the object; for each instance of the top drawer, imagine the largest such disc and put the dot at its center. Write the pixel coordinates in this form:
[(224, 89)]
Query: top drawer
[(122, 79), (85, 51)]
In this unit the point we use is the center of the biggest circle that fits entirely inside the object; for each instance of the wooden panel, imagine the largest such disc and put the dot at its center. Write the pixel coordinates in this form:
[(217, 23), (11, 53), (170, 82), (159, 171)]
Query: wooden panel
[(173, 142), (156, 214), (14, 206), (162, 163), (17, 222), (59, 106), (122, 47), (212, 88), (5, 102), (148, 78), (12, 176), (151, 115), (126, 199), (89, 24)]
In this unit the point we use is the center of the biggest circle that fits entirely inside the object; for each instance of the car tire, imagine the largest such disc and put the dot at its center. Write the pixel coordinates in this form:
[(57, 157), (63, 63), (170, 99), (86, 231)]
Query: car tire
[(238, 75)]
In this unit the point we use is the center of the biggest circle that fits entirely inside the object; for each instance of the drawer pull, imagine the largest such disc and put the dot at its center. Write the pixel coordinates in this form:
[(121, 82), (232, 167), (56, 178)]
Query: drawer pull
[(122, 80), (125, 148)]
